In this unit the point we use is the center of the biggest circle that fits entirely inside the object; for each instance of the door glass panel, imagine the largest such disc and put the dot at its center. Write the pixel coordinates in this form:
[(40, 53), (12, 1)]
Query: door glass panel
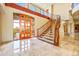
[(22, 35), (22, 21), (22, 28), (28, 24), (28, 35), (25, 35), (16, 21), (22, 24), (25, 26)]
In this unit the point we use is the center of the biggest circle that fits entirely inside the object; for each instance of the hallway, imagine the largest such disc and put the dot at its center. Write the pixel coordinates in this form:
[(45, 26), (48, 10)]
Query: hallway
[(35, 47), (26, 29), (70, 43)]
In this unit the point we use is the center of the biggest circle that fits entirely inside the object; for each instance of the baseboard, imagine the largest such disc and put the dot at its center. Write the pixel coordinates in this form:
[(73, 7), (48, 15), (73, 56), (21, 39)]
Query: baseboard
[(5, 42)]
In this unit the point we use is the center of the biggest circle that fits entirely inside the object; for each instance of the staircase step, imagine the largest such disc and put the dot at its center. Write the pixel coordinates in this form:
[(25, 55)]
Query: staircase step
[(49, 38), (49, 34), (46, 40)]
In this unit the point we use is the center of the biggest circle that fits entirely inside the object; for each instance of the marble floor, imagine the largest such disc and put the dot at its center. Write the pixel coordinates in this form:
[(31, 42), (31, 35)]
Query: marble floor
[(34, 47), (71, 43)]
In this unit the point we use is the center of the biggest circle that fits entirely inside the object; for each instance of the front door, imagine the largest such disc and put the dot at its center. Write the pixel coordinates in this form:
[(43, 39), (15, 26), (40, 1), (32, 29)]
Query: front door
[(25, 26)]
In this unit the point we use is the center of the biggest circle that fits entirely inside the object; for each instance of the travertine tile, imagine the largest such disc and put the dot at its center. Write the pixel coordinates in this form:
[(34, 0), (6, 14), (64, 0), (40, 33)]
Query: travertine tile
[(35, 47)]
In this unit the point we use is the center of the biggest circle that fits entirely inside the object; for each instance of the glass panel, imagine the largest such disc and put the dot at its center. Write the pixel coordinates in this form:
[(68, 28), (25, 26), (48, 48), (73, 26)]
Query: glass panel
[(16, 25), (28, 35), (28, 30), (28, 23), (22, 21), (16, 21), (38, 10), (26, 5), (28, 20), (22, 28), (22, 24), (22, 35), (42, 12), (25, 35), (31, 7), (21, 4), (45, 13)]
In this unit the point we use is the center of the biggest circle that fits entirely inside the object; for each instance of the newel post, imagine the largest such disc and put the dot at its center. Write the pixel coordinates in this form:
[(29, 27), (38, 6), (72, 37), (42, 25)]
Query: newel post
[(56, 31)]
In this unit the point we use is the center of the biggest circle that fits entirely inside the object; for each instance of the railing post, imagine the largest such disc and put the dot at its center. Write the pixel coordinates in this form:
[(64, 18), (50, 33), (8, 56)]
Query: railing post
[(56, 32)]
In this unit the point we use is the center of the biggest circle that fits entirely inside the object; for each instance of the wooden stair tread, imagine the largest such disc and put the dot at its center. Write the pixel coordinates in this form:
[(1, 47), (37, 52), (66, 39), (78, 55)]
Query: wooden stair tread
[(46, 40)]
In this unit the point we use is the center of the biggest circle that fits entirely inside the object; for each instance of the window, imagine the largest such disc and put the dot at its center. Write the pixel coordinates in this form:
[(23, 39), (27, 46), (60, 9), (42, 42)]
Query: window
[(16, 24)]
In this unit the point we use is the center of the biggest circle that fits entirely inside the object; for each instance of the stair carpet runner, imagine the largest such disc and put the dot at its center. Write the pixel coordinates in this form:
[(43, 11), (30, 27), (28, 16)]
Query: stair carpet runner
[(47, 37)]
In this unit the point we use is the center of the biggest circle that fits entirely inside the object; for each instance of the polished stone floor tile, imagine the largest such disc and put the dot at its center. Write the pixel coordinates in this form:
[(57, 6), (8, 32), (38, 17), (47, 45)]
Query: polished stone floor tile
[(34, 47)]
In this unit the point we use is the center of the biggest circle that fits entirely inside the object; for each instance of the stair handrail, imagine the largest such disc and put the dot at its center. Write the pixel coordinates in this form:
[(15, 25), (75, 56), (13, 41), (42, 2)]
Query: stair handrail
[(43, 28)]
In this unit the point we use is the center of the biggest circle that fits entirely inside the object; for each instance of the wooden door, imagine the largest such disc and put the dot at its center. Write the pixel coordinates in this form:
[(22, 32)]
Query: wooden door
[(25, 26)]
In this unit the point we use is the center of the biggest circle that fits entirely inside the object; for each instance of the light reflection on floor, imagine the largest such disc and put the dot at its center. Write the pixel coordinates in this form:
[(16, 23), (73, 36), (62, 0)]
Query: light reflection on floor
[(34, 47), (21, 45)]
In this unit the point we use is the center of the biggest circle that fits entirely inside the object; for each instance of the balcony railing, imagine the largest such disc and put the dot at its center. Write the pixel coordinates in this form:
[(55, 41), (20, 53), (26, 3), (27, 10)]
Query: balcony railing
[(34, 8)]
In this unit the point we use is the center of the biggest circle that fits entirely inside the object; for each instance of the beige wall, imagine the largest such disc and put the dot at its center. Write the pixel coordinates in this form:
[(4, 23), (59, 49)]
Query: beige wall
[(76, 22), (0, 28), (62, 9), (7, 22), (39, 21)]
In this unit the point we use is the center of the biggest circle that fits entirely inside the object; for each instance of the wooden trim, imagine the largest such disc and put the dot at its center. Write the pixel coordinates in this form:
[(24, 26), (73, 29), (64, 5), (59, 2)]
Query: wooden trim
[(23, 14), (5, 42), (13, 5)]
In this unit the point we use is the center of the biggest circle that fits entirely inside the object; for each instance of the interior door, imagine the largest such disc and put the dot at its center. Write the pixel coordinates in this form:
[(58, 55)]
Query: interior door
[(25, 26)]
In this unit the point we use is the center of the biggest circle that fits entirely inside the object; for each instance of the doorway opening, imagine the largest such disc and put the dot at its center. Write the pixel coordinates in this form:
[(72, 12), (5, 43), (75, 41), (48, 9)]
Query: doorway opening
[(23, 26)]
